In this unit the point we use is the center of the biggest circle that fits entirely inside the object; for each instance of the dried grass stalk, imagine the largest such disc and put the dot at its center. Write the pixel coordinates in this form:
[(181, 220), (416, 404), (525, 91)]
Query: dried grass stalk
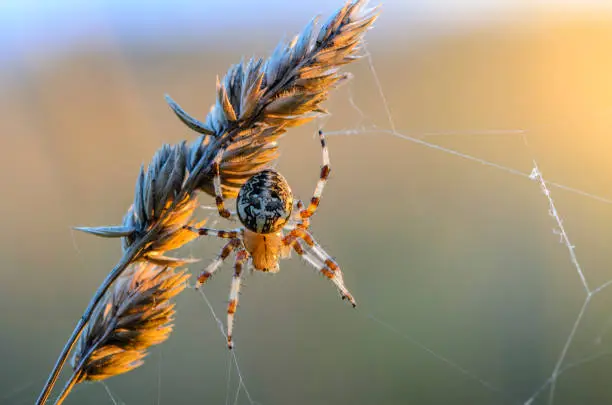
[(134, 315), (154, 224), (256, 102)]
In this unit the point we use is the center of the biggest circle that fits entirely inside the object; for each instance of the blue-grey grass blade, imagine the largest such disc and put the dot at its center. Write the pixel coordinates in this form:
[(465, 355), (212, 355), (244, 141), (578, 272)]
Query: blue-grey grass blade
[(107, 231), (187, 119)]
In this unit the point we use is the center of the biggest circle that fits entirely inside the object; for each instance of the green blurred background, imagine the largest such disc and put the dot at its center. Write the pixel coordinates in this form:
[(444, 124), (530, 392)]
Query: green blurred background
[(437, 249)]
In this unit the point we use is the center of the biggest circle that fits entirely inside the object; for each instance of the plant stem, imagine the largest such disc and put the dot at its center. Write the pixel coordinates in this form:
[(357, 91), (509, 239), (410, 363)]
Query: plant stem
[(68, 387), (78, 370), (128, 257)]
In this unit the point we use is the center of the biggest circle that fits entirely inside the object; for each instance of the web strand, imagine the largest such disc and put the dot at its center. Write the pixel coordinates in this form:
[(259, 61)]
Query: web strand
[(567, 367), (462, 155), (568, 342), (234, 356), (229, 378), (110, 394), (393, 131), (486, 384), (381, 92), (159, 378), (537, 176)]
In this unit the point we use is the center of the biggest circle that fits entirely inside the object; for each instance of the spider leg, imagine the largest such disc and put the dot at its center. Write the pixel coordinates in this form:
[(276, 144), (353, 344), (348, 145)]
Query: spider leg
[(328, 267), (295, 217), (224, 212), (296, 221), (304, 222), (233, 214), (325, 170), (301, 232), (215, 264), (219, 233), (318, 250), (241, 257)]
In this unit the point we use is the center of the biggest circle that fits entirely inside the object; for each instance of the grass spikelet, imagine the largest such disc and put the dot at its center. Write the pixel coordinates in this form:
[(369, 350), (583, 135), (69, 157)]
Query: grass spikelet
[(286, 90), (133, 316), (162, 208)]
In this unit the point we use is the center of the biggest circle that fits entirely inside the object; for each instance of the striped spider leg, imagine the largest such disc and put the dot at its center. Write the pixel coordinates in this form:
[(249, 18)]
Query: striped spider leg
[(241, 257), (321, 260), (234, 235)]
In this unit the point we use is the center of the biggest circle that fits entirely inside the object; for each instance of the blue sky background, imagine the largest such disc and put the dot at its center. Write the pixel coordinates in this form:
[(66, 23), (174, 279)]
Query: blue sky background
[(50, 26)]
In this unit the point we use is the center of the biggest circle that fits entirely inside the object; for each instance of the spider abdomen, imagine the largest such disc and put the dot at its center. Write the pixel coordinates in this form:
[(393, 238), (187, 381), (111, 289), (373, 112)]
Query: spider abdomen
[(264, 202)]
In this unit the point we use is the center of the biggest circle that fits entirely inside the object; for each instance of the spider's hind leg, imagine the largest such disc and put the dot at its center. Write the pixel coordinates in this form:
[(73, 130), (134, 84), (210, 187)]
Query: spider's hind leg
[(325, 170), (233, 214)]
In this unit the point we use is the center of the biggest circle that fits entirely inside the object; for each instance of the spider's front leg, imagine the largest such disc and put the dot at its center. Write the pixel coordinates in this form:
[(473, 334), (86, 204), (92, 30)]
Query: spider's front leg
[(219, 233), (325, 170), (241, 258), (303, 222), (224, 212), (233, 214)]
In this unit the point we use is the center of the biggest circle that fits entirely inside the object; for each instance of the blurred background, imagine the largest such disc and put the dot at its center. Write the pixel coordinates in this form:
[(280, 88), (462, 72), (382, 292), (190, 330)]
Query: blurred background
[(439, 251)]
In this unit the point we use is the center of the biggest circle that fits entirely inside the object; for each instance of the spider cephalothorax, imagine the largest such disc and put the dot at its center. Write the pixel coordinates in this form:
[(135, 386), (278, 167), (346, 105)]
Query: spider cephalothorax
[(264, 206), (264, 202)]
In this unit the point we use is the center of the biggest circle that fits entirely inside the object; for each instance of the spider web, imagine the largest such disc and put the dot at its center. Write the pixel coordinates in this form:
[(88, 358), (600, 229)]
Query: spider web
[(534, 173), (561, 366)]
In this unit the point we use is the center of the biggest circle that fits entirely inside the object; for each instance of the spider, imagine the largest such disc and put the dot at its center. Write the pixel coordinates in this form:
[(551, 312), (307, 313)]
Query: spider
[(269, 231)]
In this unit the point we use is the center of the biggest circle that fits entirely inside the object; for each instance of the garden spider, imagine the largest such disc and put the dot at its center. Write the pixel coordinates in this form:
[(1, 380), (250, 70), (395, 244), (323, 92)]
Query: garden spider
[(263, 206)]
